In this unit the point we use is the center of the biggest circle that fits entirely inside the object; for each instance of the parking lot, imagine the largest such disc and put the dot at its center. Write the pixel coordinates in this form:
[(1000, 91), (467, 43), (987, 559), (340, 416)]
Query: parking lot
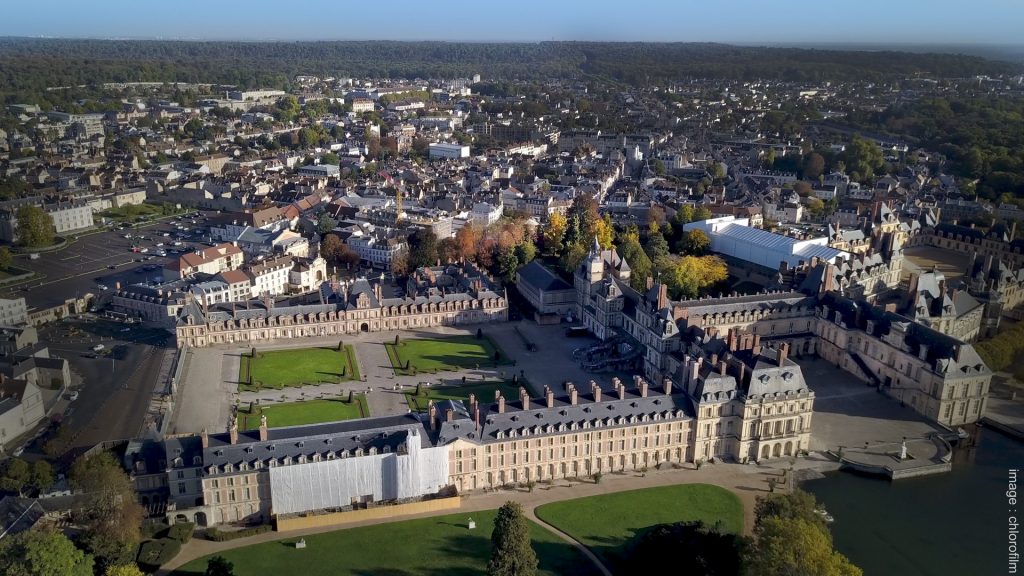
[(104, 259)]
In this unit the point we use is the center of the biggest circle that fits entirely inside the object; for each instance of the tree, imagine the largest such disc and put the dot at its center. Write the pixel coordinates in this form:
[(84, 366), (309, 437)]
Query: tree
[(658, 166), (511, 552), (5, 258), (526, 252), (640, 264), (795, 546), (864, 157), (553, 234), (423, 248), (604, 231), (696, 242), (108, 511), (219, 566), (507, 263), (400, 263), (448, 250), (814, 166), (701, 213), (689, 276), (657, 246), (17, 475), (41, 475), (802, 188), (689, 547), (35, 227), (325, 223), (42, 553), (468, 238), (331, 248), (123, 570)]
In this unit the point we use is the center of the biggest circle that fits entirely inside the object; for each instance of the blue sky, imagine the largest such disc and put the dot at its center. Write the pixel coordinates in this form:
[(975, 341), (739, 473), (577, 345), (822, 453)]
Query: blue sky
[(738, 21)]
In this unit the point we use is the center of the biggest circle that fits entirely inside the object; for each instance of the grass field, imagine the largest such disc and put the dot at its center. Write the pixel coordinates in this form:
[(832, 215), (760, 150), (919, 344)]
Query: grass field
[(606, 523), (441, 546), (439, 354), (307, 412), (282, 368), (484, 391)]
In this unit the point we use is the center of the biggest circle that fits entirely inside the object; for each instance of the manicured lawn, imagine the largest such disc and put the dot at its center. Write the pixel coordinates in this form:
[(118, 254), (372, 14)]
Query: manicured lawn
[(440, 354), (307, 412), (484, 392), (605, 524), (424, 547), (281, 368)]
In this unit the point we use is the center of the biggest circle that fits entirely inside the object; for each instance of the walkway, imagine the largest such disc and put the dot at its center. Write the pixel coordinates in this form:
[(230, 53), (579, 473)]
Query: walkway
[(745, 480), (531, 513)]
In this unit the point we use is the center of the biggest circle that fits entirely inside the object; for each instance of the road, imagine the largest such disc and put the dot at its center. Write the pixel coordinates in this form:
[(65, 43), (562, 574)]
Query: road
[(116, 387)]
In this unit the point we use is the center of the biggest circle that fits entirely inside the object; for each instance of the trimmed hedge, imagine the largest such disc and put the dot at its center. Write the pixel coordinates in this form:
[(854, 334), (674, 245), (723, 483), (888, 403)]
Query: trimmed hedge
[(222, 536), (155, 553), (182, 532)]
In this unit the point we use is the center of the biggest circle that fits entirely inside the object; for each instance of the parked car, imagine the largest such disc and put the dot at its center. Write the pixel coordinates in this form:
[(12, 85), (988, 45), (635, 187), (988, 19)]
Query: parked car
[(73, 395), (98, 347)]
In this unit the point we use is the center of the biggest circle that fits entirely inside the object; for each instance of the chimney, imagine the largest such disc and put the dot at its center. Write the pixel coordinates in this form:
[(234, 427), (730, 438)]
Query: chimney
[(742, 373), (449, 415), (667, 386), (643, 388), (714, 359), (722, 366), (783, 353), (501, 404), (622, 391), (233, 430), (204, 437), (757, 345), (549, 397), (524, 397), (476, 417), (264, 433), (432, 414), (923, 352), (595, 390), (573, 394)]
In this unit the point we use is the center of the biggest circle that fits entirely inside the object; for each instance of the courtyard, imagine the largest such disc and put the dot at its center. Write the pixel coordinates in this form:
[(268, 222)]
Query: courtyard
[(443, 545), (299, 367), (950, 263), (299, 413), (848, 412), (431, 355)]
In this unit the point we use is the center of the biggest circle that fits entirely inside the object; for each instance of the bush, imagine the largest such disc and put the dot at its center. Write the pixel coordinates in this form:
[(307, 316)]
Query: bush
[(182, 532), (155, 553), (221, 536)]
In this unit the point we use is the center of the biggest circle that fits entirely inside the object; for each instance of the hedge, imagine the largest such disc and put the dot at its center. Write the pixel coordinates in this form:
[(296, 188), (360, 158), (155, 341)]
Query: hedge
[(221, 536), (182, 532), (155, 553)]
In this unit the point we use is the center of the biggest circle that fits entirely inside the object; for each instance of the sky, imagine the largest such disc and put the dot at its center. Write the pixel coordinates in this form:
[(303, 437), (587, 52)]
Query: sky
[(730, 21)]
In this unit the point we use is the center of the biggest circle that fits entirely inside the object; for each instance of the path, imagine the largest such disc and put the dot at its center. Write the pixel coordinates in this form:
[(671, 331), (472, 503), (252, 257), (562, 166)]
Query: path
[(745, 480), (531, 513)]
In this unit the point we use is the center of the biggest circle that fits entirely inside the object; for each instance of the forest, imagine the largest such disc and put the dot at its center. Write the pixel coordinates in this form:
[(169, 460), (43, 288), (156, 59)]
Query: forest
[(981, 137), (28, 65)]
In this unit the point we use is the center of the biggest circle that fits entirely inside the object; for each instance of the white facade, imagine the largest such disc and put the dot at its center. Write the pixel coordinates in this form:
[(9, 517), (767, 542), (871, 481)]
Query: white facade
[(341, 482), (736, 238), (13, 311), (442, 150)]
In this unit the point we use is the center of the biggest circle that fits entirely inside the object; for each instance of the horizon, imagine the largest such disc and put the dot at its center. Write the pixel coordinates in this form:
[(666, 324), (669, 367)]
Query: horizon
[(983, 23)]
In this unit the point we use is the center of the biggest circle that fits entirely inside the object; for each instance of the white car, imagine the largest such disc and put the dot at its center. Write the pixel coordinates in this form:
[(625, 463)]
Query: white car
[(102, 286), (98, 347), (72, 396)]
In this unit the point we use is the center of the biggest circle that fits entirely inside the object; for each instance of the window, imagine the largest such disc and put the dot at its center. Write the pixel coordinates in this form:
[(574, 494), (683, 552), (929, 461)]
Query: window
[(181, 487)]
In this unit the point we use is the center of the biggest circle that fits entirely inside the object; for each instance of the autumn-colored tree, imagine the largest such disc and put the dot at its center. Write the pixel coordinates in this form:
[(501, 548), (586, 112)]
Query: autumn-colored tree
[(689, 276), (696, 242), (448, 250), (468, 238), (553, 234), (604, 231)]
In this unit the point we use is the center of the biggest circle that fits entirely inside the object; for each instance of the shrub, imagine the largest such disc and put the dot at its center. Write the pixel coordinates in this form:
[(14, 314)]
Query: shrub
[(155, 553), (182, 531), (221, 536)]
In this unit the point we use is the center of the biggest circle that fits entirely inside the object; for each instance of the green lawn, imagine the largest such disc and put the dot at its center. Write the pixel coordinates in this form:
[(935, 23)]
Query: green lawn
[(281, 368), (484, 392), (441, 546), (439, 354), (307, 412), (606, 523)]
